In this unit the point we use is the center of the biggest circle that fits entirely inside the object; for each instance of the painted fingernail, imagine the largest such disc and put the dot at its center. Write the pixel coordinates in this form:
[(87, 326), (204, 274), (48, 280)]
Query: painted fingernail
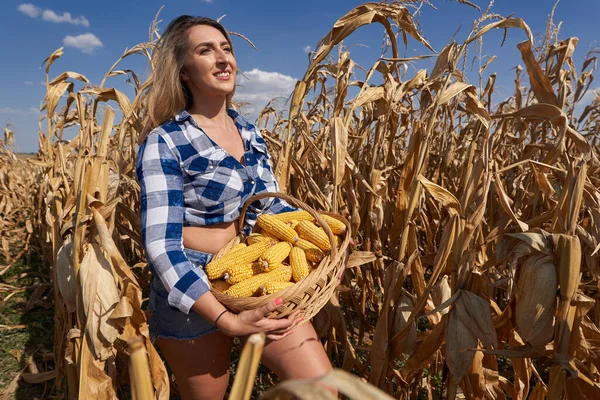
[(278, 302)]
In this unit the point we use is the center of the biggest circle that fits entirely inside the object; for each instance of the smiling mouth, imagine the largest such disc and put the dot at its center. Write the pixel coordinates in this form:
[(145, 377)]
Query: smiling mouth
[(223, 75)]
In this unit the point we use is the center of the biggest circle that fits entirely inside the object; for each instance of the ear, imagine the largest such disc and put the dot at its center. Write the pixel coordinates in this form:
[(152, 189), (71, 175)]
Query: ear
[(183, 75)]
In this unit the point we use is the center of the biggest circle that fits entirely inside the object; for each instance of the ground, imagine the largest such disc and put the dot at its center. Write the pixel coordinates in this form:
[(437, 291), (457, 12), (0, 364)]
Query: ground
[(26, 326)]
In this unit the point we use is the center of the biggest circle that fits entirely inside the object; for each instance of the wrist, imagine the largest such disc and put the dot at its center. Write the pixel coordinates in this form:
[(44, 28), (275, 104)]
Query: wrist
[(228, 323)]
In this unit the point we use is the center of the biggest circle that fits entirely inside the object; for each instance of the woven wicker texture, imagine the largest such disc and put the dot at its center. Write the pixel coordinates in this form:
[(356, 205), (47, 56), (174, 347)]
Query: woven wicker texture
[(311, 293)]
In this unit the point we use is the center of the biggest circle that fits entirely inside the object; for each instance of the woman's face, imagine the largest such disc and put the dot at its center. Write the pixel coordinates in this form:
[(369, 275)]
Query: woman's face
[(209, 68)]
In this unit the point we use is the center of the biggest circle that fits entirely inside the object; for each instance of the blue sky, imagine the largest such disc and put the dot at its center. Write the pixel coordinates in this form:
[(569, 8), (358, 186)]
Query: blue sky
[(96, 33)]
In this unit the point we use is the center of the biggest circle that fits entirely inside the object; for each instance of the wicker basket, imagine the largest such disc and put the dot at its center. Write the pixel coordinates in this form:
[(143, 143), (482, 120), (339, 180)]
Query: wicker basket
[(312, 292)]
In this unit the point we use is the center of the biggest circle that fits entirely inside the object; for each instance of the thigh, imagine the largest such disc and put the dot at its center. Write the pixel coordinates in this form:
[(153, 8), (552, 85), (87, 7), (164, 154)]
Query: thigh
[(201, 366), (297, 356)]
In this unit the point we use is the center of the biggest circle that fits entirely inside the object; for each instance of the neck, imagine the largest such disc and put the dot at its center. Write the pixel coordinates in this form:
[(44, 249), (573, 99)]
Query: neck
[(210, 109)]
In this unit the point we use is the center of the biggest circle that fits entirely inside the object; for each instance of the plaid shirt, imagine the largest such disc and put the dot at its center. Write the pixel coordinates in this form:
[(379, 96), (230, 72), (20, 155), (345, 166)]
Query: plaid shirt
[(186, 179)]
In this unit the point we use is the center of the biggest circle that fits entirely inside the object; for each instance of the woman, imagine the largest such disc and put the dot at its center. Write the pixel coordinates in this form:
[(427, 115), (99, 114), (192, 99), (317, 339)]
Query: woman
[(196, 169)]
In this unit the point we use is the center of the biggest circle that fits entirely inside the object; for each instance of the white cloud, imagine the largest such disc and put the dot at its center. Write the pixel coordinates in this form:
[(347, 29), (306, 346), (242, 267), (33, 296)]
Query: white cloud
[(86, 42), (307, 49), (28, 83), (260, 87), (19, 111), (49, 15), (589, 96), (586, 100), (30, 10)]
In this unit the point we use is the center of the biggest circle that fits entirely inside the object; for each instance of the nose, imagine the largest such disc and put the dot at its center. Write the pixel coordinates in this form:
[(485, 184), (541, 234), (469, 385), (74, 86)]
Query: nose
[(222, 56)]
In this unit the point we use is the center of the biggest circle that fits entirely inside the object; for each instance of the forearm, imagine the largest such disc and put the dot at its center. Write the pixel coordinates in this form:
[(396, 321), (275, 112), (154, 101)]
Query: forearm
[(209, 308)]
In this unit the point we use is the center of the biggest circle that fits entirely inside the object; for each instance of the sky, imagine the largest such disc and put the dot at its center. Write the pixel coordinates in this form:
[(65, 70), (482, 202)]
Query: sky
[(95, 34)]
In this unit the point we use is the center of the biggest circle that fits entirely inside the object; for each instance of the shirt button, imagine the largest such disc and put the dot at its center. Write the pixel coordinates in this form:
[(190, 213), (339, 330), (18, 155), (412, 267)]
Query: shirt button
[(211, 166), (252, 181)]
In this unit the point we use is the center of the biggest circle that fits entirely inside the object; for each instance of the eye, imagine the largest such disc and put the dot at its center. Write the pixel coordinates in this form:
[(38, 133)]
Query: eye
[(227, 49), (204, 51)]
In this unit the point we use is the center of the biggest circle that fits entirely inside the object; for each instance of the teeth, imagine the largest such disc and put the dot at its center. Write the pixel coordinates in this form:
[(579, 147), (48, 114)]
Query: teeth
[(223, 74)]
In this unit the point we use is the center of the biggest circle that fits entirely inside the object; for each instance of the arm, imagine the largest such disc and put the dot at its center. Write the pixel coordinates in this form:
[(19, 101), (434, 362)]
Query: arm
[(161, 207)]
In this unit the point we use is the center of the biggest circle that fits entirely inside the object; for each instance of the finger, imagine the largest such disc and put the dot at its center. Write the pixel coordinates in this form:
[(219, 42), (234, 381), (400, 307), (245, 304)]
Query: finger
[(271, 306), (296, 321), (280, 331), (295, 315), (277, 324), (279, 337)]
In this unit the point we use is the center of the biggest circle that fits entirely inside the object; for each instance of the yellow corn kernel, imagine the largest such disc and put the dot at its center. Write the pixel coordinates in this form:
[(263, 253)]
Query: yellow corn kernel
[(220, 285), (238, 247), (299, 264), (274, 287), (313, 253), (235, 245), (336, 226), (293, 223), (259, 237), (274, 256), (294, 215), (251, 285), (314, 234), (274, 227), (238, 273), (216, 269)]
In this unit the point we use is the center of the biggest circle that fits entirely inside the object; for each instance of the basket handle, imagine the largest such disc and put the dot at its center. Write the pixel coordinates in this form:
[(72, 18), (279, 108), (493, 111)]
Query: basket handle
[(297, 203)]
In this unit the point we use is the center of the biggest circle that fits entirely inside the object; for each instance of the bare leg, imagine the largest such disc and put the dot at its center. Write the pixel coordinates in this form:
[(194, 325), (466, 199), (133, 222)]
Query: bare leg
[(201, 366), (297, 356)]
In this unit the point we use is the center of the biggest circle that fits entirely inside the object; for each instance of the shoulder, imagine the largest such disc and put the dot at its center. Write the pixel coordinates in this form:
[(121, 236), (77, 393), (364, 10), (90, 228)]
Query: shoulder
[(158, 146), (170, 134)]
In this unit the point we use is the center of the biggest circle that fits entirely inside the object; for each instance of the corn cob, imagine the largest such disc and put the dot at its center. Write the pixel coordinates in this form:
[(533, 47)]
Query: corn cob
[(216, 269), (536, 300), (313, 253), (294, 215), (238, 247), (338, 241), (220, 285), (259, 237), (314, 234), (251, 285), (275, 227), (293, 223), (229, 247), (336, 226), (274, 287), (567, 249), (238, 273), (298, 263), (274, 256)]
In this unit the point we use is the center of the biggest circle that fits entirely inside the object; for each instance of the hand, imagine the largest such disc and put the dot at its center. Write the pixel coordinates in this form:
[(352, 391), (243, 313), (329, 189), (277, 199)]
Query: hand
[(253, 321)]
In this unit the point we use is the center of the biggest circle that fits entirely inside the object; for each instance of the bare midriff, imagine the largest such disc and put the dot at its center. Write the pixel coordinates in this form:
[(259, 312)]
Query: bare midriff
[(209, 239)]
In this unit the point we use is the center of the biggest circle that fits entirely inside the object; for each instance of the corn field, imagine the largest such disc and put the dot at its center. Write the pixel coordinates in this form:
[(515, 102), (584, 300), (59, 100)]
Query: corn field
[(476, 220)]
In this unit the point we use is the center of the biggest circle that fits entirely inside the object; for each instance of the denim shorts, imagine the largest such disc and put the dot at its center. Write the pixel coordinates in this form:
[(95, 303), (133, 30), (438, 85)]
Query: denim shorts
[(169, 322)]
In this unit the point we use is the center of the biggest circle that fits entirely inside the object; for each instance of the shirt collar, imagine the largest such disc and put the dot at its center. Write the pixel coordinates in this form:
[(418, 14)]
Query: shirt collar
[(246, 128), (239, 119)]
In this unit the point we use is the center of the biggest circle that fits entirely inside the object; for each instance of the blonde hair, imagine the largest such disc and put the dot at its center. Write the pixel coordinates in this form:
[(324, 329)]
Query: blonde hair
[(167, 94)]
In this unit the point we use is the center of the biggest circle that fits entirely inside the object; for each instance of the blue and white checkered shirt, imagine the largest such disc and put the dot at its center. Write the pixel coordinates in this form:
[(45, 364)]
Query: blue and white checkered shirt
[(186, 179)]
